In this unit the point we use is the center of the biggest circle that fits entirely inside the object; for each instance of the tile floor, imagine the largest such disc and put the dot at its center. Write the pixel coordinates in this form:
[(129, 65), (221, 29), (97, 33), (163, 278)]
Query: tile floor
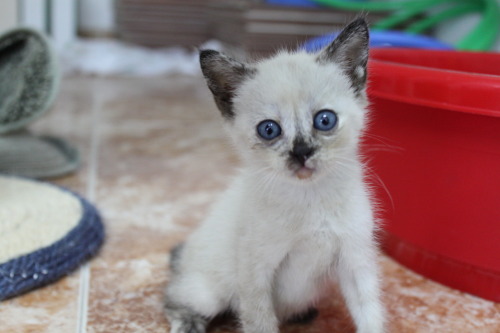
[(153, 160)]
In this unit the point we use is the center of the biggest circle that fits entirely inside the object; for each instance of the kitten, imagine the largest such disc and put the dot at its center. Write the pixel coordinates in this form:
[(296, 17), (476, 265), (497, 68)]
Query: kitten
[(298, 214)]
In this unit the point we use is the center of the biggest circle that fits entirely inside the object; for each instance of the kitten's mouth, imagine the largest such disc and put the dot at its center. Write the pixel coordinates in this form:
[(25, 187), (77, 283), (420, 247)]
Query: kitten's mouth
[(304, 172)]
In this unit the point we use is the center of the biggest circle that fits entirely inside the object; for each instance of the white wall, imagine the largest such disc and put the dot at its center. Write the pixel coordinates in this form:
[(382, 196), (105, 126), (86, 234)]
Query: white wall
[(63, 22), (33, 14), (96, 16), (8, 14), (56, 18)]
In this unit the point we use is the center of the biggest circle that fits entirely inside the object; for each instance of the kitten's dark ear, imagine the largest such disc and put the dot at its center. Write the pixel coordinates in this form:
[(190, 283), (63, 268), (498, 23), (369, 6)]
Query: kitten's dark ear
[(350, 50), (224, 75)]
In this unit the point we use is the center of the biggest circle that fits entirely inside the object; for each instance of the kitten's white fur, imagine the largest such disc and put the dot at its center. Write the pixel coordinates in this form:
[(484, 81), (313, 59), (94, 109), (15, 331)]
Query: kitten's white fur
[(273, 242)]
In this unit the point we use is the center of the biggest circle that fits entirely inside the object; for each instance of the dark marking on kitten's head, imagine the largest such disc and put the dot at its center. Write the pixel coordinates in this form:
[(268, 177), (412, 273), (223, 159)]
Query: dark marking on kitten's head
[(223, 75), (350, 51)]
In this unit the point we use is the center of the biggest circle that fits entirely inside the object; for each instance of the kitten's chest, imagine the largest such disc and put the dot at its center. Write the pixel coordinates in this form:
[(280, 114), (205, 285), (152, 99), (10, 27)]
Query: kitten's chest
[(311, 255), (308, 229), (313, 215), (287, 214)]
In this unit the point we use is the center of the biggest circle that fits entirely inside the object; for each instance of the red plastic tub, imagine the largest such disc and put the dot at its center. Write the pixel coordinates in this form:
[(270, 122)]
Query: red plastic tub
[(434, 142)]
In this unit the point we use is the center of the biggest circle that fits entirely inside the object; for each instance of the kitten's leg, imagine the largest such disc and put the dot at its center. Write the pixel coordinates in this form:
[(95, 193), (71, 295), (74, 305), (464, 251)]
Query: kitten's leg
[(189, 303), (297, 287), (358, 278), (256, 305), (255, 277)]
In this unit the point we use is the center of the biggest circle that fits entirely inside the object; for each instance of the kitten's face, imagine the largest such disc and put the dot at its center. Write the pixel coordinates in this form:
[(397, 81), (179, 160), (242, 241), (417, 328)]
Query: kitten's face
[(296, 115)]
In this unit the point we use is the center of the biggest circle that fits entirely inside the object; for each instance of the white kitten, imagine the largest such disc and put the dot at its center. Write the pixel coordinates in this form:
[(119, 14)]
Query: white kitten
[(298, 214)]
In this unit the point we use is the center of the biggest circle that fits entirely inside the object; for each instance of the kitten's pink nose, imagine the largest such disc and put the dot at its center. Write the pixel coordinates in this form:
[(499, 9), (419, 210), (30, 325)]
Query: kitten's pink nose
[(304, 173)]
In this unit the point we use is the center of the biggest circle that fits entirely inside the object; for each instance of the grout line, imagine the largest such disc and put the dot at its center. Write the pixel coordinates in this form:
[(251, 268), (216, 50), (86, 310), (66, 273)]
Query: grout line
[(83, 299), (83, 292)]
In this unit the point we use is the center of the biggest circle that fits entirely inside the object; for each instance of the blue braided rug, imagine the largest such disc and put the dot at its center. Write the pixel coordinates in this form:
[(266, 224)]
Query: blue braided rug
[(47, 264)]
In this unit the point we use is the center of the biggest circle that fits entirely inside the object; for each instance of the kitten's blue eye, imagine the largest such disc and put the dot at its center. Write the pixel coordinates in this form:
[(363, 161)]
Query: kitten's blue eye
[(268, 129), (325, 120)]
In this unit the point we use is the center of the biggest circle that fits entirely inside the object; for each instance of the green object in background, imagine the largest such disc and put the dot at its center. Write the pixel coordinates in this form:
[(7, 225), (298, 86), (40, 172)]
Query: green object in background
[(27, 155), (486, 32), (28, 84), (449, 13), (481, 38), (28, 78)]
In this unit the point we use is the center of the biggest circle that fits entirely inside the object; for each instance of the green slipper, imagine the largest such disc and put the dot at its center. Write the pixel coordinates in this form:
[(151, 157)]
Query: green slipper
[(28, 78), (28, 83), (26, 155)]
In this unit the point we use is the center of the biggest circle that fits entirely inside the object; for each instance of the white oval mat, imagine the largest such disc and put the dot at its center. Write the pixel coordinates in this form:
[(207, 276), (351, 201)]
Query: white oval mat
[(33, 215)]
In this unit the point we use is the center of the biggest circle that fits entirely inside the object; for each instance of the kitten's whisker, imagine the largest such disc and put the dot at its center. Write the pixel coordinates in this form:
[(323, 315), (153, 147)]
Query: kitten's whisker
[(383, 145), (268, 175), (381, 183), (347, 163)]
